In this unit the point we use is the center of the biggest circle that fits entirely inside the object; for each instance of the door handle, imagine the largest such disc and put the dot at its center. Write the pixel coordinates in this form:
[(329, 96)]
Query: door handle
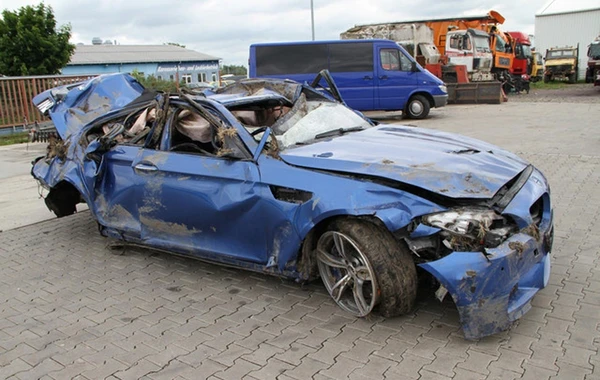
[(145, 167), (383, 77), (366, 77)]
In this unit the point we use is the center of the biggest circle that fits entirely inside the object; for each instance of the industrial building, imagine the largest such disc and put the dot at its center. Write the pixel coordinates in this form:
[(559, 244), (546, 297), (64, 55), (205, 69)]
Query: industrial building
[(557, 25), (169, 62)]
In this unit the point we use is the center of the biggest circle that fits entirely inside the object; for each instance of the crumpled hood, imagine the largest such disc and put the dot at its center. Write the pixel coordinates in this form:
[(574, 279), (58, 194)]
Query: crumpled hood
[(73, 106), (448, 164)]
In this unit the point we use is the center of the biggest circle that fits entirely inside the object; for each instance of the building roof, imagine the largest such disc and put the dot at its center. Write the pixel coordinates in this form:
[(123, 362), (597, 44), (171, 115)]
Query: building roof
[(553, 7), (112, 54)]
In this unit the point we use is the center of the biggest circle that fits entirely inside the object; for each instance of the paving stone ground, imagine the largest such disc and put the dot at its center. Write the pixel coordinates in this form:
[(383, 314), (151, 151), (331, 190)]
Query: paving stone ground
[(71, 307)]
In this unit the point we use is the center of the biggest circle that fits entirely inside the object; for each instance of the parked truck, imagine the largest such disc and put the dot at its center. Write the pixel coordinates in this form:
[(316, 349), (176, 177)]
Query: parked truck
[(463, 47), (592, 73), (561, 64), (537, 66), (522, 66)]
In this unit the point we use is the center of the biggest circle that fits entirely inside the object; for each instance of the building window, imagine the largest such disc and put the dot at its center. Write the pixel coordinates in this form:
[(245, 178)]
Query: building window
[(159, 77), (171, 78), (199, 77), (214, 77), (203, 77), (186, 78)]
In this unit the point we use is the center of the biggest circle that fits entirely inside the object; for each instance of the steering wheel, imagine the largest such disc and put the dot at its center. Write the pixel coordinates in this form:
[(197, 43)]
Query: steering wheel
[(188, 147)]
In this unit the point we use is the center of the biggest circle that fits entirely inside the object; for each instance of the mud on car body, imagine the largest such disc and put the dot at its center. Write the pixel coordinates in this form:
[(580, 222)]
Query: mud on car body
[(277, 177)]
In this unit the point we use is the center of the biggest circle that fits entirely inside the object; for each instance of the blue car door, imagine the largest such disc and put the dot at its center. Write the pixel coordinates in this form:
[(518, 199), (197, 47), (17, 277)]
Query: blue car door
[(395, 78), (110, 184), (194, 201)]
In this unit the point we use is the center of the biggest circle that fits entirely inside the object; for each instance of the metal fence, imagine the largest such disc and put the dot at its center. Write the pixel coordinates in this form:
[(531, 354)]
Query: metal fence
[(16, 93)]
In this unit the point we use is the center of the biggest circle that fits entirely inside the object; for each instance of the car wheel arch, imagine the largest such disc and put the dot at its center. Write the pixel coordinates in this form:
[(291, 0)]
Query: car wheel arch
[(306, 260), (63, 198)]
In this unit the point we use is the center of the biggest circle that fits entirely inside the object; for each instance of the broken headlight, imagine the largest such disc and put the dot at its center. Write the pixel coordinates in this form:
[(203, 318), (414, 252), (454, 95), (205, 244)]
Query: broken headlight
[(470, 229)]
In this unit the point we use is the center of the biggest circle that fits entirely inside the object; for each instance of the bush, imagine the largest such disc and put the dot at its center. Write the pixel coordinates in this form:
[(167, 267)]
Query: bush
[(153, 83)]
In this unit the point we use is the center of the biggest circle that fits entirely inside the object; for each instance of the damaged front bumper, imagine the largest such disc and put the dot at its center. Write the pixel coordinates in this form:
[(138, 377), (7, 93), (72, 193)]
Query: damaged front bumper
[(493, 289)]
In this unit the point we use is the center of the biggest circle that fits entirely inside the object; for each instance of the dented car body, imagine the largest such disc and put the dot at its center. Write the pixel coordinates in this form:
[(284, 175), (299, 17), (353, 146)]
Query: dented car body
[(276, 177)]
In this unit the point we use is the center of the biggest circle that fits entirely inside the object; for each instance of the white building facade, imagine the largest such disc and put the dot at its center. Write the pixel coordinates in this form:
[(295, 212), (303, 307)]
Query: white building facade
[(567, 28)]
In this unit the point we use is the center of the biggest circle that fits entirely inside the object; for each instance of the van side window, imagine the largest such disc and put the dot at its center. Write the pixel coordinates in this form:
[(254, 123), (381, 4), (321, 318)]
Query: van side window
[(353, 57), (394, 60), (390, 59), (291, 59)]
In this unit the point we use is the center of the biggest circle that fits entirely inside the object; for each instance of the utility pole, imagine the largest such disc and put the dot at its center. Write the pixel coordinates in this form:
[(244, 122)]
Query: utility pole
[(312, 19)]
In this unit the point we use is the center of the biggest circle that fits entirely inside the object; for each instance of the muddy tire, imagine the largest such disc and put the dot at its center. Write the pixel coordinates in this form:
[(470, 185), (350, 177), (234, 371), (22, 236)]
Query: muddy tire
[(572, 78), (546, 78), (417, 107), (364, 268)]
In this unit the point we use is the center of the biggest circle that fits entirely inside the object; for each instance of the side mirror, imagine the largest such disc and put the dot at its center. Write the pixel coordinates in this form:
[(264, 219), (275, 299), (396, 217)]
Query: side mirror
[(262, 143)]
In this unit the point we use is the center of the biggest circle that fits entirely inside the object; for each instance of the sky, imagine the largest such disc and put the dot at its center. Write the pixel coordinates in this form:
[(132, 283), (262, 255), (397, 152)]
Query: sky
[(226, 28)]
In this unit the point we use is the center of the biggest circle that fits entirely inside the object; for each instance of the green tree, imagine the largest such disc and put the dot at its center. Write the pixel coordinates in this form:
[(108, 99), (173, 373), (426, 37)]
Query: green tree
[(31, 43), (234, 69)]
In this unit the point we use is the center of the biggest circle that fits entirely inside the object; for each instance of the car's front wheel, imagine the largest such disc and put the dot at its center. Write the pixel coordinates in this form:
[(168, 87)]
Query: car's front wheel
[(363, 267)]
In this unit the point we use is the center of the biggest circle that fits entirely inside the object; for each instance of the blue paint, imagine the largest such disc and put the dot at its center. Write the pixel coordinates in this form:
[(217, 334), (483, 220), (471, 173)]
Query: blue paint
[(227, 209), (380, 85)]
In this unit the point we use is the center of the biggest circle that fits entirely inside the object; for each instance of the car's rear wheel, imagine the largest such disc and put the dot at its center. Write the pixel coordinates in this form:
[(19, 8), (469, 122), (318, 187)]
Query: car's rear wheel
[(363, 267), (417, 107)]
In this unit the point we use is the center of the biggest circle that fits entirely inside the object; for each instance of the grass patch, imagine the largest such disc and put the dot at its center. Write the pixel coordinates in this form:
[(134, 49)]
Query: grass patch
[(540, 85), (14, 138)]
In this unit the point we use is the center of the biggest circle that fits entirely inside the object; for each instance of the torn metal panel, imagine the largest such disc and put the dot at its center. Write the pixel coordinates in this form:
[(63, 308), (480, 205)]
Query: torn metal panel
[(74, 106), (492, 292)]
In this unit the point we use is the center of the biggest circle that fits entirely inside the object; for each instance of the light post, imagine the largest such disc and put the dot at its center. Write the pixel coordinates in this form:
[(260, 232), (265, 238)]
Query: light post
[(312, 19)]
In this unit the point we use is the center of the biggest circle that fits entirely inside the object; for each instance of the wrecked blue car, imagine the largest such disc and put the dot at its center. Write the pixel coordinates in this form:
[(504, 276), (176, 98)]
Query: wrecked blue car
[(282, 178)]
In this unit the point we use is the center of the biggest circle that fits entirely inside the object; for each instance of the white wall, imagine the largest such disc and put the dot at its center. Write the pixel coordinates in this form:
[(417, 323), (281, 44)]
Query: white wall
[(568, 29)]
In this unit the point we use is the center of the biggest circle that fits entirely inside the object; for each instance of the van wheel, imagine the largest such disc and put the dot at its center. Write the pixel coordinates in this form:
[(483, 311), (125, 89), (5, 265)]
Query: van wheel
[(417, 107), (363, 267)]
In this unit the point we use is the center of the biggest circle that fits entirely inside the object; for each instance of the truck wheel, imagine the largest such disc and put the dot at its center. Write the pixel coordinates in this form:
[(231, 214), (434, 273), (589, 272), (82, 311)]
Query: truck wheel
[(546, 78), (363, 267), (572, 78), (417, 107)]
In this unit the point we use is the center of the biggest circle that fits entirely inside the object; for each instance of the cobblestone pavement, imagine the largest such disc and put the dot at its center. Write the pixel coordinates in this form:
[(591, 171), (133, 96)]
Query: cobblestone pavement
[(72, 308)]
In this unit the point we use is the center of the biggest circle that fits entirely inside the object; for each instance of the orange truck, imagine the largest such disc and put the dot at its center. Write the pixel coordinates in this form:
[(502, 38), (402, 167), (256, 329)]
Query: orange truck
[(503, 46), (500, 43)]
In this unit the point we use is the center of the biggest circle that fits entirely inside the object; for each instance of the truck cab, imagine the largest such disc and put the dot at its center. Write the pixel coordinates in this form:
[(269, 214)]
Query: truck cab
[(537, 66), (561, 63), (471, 48), (522, 63), (592, 73)]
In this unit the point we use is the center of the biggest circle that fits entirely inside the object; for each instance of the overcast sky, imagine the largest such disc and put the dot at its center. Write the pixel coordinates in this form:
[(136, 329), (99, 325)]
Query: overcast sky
[(226, 28)]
